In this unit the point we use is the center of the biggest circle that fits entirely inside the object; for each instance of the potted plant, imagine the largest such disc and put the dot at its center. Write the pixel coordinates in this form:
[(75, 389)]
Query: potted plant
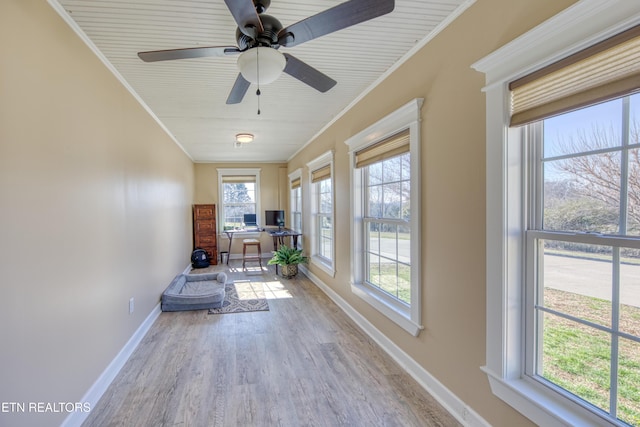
[(288, 259)]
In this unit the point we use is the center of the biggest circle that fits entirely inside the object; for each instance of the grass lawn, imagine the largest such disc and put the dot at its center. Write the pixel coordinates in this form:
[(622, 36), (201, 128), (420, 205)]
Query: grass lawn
[(395, 282), (578, 357)]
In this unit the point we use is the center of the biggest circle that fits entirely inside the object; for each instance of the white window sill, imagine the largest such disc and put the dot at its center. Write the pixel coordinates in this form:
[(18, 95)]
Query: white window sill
[(323, 265), (394, 312), (540, 404)]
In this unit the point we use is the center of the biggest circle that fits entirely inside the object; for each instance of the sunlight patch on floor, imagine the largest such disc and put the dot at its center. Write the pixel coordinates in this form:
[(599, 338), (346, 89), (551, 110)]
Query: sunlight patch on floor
[(275, 290)]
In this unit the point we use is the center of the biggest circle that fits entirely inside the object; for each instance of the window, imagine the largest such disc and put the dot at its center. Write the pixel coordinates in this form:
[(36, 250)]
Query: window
[(386, 211), (295, 182), (322, 232), (583, 237), (239, 191), (534, 211)]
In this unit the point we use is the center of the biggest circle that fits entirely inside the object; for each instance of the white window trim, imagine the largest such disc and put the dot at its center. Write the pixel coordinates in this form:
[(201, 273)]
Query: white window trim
[(407, 116), (320, 262), (581, 25), (222, 172)]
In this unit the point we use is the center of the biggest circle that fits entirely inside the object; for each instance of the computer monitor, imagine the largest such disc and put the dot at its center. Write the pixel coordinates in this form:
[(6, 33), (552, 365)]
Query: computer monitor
[(250, 220), (274, 218)]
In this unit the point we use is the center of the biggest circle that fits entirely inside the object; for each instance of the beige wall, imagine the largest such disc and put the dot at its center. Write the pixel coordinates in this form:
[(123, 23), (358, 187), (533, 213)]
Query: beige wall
[(452, 346), (274, 194), (95, 207)]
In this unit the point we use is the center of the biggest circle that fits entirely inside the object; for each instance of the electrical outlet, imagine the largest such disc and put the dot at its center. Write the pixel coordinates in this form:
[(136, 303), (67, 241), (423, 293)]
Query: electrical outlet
[(131, 305)]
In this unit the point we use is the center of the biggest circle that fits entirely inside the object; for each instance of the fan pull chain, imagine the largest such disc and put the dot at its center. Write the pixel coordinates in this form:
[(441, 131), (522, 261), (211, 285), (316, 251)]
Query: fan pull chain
[(258, 77), (258, 93)]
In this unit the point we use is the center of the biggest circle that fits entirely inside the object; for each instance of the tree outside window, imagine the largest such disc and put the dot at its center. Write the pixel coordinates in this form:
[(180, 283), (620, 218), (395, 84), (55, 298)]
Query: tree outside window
[(239, 199), (239, 191)]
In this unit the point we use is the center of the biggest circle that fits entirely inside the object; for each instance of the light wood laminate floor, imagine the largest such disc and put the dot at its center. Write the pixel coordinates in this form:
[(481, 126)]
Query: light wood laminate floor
[(302, 363)]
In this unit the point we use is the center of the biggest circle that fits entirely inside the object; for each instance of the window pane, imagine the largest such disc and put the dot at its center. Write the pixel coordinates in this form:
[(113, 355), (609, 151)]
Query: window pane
[(404, 283), (388, 246), (405, 160), (239, 192), (375, 201), (325, 203), (373, 271), (325, 186), (375, 173), (633, 203), (577, 280), (629, 382), (583, 193), (577, 358), (374, 237), (630, 296), (388, 255), (584, 130), (297, 221), (388, 276), (326, 237), (392, 194), (391, 169), (406, 201), (404, 244)]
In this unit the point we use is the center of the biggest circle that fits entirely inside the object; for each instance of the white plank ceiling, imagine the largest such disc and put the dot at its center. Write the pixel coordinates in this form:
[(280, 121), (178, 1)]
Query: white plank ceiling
[(189, 96)]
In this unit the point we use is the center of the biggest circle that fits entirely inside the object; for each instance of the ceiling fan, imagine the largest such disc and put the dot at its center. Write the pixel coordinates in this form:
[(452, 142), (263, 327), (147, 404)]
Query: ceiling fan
[(259, 36)]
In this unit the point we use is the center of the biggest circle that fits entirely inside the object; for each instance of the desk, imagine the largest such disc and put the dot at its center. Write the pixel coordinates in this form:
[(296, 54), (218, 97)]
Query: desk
[(278, 236)]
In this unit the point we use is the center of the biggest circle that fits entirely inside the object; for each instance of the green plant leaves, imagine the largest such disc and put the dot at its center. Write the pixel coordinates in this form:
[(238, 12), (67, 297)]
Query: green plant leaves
[(286, 255)]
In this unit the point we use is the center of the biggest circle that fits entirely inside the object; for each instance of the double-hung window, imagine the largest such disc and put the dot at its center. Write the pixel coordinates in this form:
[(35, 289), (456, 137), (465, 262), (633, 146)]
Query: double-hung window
[(583, 241), (322, 218), (239, 191), (563, 231), (386, 214), (295, 203)]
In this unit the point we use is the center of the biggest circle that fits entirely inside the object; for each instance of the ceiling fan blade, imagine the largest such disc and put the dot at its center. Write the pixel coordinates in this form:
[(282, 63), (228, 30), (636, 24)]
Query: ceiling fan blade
[(245, 14), (187, 53), (336, 18), (238, 90), (307, 74)]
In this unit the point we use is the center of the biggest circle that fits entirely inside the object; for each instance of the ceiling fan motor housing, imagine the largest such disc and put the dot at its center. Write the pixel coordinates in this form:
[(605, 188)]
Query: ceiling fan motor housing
[(269, 37)]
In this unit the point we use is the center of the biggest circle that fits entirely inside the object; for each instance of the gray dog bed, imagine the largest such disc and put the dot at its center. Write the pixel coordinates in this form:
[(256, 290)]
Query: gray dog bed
[(194, 292)]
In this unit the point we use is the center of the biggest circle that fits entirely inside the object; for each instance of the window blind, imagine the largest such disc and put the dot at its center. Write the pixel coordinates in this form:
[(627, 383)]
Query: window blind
[(604, 71), (320, 174), (295, 183), (238, 178), (389, 147)]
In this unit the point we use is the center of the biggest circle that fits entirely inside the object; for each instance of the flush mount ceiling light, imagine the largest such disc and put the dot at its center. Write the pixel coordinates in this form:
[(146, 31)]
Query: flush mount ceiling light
[(244, 138), (261, 65)]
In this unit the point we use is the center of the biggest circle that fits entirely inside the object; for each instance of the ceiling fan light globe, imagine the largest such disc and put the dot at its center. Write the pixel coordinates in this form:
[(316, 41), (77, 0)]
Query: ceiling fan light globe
[(269, 61)]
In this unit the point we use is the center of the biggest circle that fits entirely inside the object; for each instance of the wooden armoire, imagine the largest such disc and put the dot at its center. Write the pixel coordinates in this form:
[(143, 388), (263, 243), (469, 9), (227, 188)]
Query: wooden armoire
[(204, 230)]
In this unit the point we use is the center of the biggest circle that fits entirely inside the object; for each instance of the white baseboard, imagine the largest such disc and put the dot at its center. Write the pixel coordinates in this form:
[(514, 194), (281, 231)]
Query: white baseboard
[(452, 403), (108, 375)]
